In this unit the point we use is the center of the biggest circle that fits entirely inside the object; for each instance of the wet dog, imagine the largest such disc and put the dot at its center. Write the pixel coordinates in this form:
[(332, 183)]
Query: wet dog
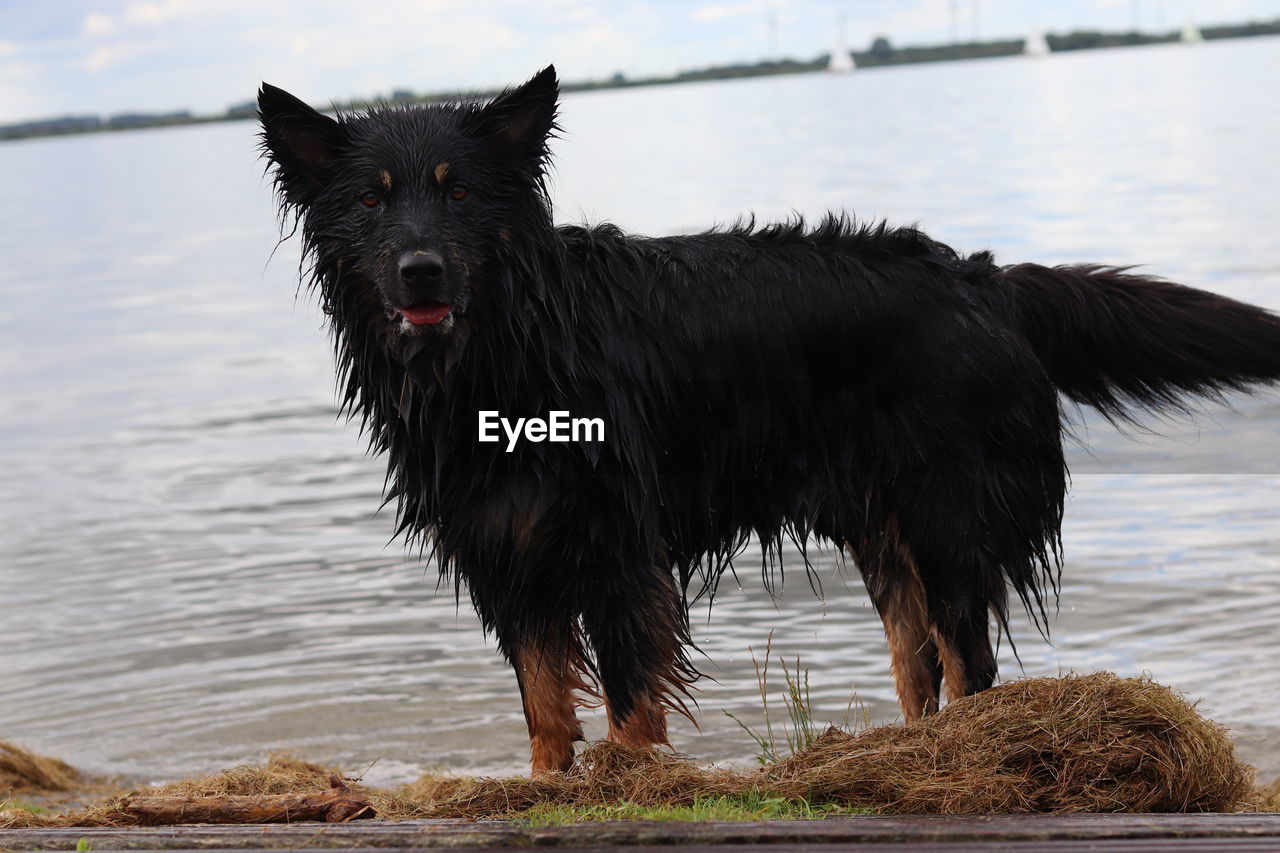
[(855, 383)]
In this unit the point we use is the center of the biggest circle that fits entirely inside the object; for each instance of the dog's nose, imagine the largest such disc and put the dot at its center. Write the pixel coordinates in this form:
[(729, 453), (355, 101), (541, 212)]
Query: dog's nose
[(417, 268)]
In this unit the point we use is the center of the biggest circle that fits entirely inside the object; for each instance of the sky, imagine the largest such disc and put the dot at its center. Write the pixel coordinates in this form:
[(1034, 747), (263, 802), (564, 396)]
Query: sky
[(108, 56)]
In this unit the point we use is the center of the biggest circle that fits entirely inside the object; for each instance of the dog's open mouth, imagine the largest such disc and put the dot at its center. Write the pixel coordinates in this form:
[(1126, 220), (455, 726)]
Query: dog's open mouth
[(427, 314)]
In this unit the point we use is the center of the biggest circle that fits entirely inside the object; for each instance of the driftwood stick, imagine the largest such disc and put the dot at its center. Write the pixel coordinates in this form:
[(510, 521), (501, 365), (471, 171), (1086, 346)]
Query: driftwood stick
[(337, 805)]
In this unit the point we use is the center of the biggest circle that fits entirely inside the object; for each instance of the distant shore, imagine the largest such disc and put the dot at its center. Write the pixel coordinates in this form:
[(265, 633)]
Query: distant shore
[(880, 53)]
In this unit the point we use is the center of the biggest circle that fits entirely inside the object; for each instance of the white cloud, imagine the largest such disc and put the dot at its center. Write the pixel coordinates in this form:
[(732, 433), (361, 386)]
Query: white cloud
[(103, 58), (100, 59), (140, 13), (720, 11), (156, 13), (97, 24)]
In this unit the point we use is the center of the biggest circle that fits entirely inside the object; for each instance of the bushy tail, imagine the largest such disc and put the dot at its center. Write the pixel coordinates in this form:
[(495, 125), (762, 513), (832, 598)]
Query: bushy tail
[(1122, 342)]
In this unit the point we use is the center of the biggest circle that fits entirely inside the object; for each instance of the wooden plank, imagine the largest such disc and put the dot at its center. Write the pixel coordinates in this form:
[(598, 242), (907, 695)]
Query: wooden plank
[(898, 832), (1184, 845)]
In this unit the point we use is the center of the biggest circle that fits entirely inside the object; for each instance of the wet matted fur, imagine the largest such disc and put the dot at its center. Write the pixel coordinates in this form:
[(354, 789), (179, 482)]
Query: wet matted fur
[(851, 382)]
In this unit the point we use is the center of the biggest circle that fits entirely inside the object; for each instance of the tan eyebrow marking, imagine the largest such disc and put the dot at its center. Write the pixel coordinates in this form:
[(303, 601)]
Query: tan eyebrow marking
[(384, 178), (442, 172)]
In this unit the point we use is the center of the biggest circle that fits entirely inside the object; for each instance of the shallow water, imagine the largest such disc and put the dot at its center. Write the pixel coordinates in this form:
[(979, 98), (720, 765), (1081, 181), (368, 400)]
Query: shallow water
[(192, 565)]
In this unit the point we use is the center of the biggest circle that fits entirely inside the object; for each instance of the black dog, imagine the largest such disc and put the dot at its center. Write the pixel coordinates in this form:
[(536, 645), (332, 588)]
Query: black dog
[(855, 383)]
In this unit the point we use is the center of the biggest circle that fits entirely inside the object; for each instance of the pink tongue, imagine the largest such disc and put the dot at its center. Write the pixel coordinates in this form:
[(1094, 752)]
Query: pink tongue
[(427, 316)]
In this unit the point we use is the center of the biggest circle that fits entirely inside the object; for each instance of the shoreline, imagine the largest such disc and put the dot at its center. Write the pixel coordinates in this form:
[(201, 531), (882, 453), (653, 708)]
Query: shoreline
[(881, 54)]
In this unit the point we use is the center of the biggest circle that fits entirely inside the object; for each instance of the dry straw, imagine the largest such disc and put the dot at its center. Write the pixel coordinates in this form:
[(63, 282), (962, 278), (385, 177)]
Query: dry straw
[(22, 771), (1095, 743)]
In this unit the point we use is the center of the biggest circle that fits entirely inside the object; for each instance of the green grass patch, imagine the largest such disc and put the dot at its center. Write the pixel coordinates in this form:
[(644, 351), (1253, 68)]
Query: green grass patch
[(25, 805), (752, 805)]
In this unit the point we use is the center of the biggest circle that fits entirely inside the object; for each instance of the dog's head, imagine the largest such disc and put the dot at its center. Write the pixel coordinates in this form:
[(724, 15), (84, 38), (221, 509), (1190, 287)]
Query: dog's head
[(407, 209)]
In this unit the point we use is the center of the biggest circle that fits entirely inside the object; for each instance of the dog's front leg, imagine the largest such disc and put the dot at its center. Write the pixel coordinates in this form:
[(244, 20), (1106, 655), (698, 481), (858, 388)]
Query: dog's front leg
[(646, 725), (547, 669), (640, 634)]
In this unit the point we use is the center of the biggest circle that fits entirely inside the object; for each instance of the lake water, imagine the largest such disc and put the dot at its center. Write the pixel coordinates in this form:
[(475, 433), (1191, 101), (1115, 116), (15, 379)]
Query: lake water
[(192, 568)]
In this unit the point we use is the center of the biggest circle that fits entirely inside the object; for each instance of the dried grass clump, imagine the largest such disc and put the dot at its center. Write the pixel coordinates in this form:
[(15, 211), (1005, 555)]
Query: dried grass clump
[(24, 772), (1267, 797), (1093, 743), (1081, 743), (282, 774), (36, 782), (603, 773), (416, 800)]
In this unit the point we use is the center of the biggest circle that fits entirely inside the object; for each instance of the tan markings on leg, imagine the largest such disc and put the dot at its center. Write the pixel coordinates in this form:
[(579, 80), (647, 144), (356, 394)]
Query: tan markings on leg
[(912, 652), (546, 688), (893, 581), (384, 180), (442, 172), (953, 675), (645, 726), (907, 631)]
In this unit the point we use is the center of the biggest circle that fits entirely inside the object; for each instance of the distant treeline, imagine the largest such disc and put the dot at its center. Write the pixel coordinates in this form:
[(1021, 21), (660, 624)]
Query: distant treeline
[(88, 124), (881, 52)]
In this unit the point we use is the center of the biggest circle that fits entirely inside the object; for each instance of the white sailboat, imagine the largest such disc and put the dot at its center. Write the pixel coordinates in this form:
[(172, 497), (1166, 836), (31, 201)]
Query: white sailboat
[(1035, 44), (841, 59), (1191, 33)]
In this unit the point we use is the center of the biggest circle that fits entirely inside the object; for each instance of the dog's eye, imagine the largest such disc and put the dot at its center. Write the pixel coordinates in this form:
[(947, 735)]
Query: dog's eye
[(371, 199), (458, 193)]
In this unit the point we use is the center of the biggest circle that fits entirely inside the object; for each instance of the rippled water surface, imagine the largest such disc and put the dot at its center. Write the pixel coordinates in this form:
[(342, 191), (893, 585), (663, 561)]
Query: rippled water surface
[(192, 568)]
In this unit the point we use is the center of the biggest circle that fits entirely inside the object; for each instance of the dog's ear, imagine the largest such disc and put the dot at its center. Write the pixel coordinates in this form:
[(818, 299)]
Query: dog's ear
[(518, 123), (299, 141)]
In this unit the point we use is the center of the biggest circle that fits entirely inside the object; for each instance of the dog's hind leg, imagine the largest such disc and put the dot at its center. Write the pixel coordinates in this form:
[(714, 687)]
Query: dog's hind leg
[(963, 635), (893, 582), (961, 560), (549, 669), (974, 535), (639, 636)]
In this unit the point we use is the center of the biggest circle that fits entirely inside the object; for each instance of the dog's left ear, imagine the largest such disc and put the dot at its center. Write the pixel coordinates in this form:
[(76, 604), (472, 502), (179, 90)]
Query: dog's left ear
[(519, 122)]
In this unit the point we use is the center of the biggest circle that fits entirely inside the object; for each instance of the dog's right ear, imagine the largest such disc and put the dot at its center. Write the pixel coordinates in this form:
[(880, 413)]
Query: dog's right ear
[(300, 142)]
